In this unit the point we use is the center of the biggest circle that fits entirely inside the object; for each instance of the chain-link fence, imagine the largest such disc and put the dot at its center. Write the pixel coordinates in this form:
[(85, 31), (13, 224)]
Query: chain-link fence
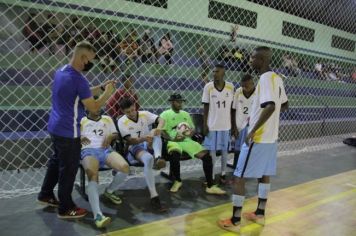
[(168, 46)]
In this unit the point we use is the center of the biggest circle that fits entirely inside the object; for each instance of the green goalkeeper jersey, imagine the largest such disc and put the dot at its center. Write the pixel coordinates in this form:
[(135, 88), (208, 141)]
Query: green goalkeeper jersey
[(172, 119)]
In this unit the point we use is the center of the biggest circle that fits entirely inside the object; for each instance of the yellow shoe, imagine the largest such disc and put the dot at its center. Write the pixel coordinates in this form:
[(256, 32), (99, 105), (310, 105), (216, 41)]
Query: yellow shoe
[(215, 190), (102, 221), (176, 186), (228, 225)]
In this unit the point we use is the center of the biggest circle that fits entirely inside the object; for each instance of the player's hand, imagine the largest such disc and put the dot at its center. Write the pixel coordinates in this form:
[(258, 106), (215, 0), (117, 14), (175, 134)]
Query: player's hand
[(149, 139), (107, 141), (234, 132), (249, 138), (84, 141), (206, 130), (156, 132), (179, 138), (110, 86)]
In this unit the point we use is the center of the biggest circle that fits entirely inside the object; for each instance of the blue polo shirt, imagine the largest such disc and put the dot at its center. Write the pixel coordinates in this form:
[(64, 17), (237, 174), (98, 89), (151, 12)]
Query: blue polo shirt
[(68, 89)]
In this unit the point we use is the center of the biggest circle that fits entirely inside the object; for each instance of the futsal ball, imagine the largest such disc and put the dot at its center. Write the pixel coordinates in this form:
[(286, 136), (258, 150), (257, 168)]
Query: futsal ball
[(183, 129)]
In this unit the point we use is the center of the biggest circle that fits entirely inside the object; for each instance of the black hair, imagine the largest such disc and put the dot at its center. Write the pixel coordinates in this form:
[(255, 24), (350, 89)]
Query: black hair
[(262, 48), (126, 103), (220, 66), (246, 77)]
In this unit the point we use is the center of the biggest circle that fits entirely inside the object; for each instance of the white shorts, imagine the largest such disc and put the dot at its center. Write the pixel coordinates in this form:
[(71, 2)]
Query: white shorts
[(257, 160)]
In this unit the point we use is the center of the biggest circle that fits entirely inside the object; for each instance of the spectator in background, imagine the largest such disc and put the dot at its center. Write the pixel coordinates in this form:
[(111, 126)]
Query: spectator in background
[(290, 64), (166, 48), (225, 54), (93, 33), (33, 33), (332, 72), (104, 51), (353, 76), (60, 39), (237, 54), (127, 91), (148, 48), (234, 30), (205, 63), (49, 29), (113, 40), (75, 31), (129, 48), (319, 70)]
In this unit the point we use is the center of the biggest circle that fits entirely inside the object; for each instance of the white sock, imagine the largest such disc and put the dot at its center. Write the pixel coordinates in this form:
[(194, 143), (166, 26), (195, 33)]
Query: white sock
[(223, 162), (157, 146), (263, 190), (94, 198), (147, 160), (117, 180)]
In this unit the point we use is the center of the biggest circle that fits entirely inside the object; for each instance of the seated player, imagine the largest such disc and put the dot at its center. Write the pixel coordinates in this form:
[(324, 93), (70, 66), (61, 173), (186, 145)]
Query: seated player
[(134, 128), (97, 133), (178, 144)]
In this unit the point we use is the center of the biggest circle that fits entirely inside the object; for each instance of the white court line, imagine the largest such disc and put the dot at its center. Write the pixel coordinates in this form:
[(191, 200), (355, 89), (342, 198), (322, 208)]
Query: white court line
[(351, 185)]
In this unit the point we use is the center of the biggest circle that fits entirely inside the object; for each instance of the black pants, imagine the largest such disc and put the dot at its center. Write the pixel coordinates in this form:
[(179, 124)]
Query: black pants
[(62, 169)]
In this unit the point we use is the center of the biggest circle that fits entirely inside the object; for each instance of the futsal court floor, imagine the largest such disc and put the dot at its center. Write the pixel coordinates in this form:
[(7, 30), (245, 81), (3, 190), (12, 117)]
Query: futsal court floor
[(314, 193)]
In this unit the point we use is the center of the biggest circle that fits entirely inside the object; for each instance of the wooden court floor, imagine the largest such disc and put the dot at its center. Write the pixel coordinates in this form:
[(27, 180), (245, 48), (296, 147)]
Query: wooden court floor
[(322, 207)]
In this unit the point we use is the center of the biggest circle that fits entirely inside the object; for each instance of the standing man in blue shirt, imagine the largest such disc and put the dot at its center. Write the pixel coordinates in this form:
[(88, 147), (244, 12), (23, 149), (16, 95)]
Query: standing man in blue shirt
[(70, 95)]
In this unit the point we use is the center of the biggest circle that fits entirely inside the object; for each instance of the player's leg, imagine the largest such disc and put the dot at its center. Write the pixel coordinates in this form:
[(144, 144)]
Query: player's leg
[(115, 161), (46, 195), (175, 152), (147, 159), (238, 197), (207, 161), (223, 139), (264, 187), (267, 164), (211, 145), (159, 162), (91, 167)]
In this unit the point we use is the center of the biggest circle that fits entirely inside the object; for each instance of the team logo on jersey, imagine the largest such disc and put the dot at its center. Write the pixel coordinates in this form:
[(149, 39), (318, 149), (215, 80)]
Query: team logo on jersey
[(141, 123), (214, 96), (240, 101), (227, 95), (131, 128)]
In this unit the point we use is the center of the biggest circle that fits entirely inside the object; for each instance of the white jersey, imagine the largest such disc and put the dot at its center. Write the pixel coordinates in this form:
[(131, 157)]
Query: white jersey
[(270, 88), (138, 128), (97, 131), (220, 103), (242, 105)]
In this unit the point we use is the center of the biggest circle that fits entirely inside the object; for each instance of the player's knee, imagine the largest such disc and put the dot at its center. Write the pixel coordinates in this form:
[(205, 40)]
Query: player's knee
[(92, 175), (125, 168), (202, 154), (174, 156)]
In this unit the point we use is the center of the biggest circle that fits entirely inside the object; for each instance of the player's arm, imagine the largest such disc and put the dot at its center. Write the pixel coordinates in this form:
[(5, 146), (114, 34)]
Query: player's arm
[(97, 90), (157, 131), (205, 101), (206, 113), (284, 106), (93, 105), (234, 130)]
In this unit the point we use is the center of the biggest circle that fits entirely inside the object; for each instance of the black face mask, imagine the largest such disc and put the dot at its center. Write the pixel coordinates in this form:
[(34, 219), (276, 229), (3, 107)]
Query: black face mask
[(88, 66)]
